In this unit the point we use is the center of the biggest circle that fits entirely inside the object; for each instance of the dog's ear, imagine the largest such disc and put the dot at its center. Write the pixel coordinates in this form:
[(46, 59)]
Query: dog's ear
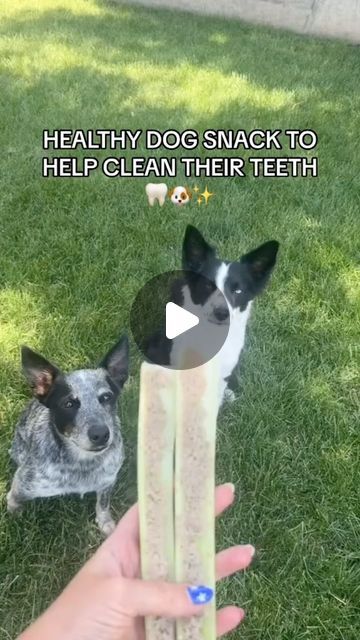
[(39, 373), (260, 263), (189, 194), (116, 362), (195, 250), (170, 192)]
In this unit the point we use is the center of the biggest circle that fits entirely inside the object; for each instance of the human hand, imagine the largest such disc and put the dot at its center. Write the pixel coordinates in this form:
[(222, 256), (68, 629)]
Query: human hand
[(107, 600)]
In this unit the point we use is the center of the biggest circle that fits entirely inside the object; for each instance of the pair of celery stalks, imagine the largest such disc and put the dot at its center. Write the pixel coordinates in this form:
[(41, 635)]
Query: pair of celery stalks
[(176, 479)]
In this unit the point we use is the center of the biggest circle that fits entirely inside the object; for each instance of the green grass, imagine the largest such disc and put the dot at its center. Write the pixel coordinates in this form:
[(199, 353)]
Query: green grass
[(74, 252)]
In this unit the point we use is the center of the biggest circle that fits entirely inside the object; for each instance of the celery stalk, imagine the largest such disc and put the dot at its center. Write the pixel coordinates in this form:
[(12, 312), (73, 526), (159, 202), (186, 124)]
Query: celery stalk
[(156, 433), (197, 406), (177, 414)]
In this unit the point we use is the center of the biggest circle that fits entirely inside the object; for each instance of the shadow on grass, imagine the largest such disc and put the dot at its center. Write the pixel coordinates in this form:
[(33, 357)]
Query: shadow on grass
[(229, 46)]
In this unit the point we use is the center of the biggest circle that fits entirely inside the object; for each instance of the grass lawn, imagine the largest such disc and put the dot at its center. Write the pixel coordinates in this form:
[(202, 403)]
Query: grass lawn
[(74, 252)]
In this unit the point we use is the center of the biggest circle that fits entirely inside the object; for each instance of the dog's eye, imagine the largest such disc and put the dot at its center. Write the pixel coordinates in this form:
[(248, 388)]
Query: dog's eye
[(105, 397), (70, 403), (235, 289)]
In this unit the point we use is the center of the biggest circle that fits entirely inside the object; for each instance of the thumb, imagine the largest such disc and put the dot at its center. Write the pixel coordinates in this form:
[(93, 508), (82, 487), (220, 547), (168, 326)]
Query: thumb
[(165, 599)]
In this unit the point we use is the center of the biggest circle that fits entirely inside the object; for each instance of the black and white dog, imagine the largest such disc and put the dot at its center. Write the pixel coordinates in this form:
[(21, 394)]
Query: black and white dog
[(68, 438), (239, 282)]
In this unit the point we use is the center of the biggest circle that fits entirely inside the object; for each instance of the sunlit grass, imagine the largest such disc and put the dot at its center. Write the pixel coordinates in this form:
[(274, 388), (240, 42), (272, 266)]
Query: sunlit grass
[(22, 9), (350, 279), (199, 90), (73, 253), (20, 320)]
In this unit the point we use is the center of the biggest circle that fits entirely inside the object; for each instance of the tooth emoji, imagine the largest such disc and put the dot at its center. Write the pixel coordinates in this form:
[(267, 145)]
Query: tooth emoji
[(156, 193)]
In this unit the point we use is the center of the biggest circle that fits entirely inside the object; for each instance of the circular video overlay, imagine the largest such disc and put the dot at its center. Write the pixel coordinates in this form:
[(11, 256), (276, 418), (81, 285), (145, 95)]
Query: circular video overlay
[(179, 320)]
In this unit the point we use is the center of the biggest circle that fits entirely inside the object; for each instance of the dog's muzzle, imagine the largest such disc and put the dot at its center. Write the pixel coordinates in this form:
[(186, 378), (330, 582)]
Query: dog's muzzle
[(99, 437), (221, 314)]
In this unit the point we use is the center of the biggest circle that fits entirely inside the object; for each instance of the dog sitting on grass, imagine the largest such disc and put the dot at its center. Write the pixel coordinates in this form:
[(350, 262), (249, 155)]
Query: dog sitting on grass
[(68, 438)]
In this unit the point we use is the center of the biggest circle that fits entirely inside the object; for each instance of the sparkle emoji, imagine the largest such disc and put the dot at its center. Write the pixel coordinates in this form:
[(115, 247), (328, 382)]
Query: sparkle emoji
[(206, 195)]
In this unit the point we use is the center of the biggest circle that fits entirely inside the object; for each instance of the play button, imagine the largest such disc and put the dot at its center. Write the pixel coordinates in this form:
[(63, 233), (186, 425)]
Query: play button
[(179, 319)]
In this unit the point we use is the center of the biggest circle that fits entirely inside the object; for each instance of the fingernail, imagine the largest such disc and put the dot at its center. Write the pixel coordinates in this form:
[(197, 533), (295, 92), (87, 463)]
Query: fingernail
[(231, 486), (251, 549), (241, 614), (200, 594)]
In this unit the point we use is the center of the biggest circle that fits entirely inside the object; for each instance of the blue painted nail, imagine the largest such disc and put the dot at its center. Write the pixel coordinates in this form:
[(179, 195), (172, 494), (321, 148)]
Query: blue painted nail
[(200, 594)]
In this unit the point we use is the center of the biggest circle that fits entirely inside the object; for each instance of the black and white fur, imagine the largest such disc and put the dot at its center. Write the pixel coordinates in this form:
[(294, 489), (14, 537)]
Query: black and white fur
[(239, 282), (68, 438)]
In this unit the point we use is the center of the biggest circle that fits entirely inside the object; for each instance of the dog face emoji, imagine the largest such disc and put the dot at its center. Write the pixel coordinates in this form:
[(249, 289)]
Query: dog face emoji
[(156, 193), (180, 195)]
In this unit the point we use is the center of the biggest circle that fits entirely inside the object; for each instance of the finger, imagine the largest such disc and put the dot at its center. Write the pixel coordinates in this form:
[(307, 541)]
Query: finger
[(129, 523), (233, 559), (228, 619), (139, 631), (224, 497), (156, 598), (122, 545)]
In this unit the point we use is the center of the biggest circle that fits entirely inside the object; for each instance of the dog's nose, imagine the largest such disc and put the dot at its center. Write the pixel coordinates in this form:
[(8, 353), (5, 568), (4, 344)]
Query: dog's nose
[(98, 435), (221, 313)]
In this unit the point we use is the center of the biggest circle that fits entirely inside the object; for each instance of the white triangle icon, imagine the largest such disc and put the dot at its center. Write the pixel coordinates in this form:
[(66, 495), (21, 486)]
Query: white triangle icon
[(178, 320)]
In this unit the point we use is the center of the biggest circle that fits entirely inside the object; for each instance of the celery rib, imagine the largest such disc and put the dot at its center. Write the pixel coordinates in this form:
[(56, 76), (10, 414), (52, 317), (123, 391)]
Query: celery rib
[(155, 484), (177, 424), (195, 494)]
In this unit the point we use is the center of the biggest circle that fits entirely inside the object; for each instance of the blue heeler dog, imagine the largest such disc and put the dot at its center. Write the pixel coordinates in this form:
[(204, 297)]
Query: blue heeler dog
[(68, 438)]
